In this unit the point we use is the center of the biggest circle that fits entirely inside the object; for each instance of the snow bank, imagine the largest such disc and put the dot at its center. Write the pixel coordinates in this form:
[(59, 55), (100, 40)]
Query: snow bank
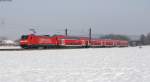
[(10, 47), (76, 65)]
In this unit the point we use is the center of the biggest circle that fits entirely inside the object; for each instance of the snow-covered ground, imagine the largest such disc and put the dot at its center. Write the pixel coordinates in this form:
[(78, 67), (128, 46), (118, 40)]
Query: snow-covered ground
[(129, 64), (10, 47)]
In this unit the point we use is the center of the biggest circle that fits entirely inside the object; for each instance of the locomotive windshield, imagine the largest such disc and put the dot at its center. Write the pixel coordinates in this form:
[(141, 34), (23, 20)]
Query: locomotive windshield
[(24, 37)]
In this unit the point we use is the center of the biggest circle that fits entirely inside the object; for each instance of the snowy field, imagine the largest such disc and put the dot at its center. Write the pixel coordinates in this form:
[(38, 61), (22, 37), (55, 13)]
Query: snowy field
[(130, 64), (10, 47)]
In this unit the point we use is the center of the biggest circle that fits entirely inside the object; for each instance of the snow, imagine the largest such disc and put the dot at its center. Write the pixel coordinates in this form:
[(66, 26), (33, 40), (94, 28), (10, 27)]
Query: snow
[(130, 64), (10, 47), (8, 42)]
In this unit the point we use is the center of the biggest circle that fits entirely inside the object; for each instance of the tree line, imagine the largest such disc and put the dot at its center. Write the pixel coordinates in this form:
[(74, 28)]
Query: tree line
[(145, 39), (115, 37)]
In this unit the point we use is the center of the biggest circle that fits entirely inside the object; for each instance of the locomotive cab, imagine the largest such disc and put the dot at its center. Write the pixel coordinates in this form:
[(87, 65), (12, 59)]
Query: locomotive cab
[(24, 41)]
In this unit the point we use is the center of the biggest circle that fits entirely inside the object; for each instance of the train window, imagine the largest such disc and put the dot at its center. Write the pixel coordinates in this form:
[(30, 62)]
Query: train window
[(24, 37)]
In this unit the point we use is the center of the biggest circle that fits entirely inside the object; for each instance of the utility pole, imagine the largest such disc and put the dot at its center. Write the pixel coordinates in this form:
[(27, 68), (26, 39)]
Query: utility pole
[(66, 32), (90, 35)]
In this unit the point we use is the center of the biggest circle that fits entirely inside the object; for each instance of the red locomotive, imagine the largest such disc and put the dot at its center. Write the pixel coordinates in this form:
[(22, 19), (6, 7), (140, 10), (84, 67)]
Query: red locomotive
[(61, 41)]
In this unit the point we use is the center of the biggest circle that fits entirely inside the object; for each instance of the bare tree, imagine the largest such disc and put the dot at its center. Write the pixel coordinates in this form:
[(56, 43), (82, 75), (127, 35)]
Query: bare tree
[(148, 38), (143, 39)]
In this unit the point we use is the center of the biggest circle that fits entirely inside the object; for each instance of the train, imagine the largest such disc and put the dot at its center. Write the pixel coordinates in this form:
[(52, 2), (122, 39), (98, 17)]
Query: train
[(61, 41)]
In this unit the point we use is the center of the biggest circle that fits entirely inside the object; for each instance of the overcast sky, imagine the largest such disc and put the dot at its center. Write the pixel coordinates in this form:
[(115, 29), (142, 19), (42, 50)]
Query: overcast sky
[(130, 17)]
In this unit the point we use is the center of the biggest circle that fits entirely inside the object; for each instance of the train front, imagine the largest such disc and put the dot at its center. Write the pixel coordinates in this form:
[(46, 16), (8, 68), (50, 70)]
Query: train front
[(24, 41)]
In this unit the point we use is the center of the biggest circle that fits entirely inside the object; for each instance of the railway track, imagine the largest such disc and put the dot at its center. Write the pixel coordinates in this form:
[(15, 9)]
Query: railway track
[(20, 49), (12, 49)]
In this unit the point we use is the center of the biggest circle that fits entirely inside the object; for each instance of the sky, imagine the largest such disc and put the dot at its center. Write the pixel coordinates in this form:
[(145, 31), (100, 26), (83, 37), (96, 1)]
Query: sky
[(131, 17)]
